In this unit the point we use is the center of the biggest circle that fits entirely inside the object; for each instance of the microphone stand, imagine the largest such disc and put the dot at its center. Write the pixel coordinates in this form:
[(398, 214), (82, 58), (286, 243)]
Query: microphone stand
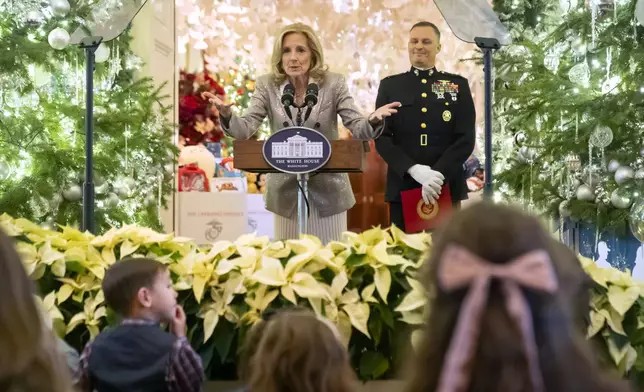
[(487, 45)]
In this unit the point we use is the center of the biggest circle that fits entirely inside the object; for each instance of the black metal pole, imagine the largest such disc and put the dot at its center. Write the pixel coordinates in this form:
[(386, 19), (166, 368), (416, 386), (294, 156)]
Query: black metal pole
[(487, 45), (488, 189), (90, 44)]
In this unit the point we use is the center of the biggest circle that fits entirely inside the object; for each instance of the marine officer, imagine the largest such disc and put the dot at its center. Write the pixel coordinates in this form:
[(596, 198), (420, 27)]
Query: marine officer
[(428, 141)]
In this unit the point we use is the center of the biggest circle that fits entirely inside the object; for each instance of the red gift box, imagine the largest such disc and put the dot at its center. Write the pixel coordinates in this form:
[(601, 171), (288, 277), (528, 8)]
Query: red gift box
[(420, 216)]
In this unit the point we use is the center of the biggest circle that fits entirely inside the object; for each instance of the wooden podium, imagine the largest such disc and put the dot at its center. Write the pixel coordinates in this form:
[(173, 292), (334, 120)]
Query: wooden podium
[(347, 156)]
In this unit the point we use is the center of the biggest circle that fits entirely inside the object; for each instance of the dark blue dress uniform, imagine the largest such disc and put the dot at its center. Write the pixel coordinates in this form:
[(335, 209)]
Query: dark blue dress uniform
[(434, 126)]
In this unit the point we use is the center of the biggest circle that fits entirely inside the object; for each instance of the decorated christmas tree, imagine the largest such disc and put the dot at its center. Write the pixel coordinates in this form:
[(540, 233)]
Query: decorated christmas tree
[(568, 101), (42, 122)]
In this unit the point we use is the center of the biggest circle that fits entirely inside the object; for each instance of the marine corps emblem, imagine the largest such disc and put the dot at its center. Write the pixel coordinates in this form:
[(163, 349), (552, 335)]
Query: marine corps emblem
[(427, 211)]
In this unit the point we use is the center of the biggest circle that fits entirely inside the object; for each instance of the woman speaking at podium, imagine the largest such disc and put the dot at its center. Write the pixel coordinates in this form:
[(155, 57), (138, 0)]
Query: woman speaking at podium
[(297, 62)]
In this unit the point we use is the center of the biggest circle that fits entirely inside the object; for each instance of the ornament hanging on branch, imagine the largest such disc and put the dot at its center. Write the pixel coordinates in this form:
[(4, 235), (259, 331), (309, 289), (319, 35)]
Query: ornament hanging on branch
[(73, 193), (35, 18), (580, 74), (102, 53), (59, 8), (613, 165), (636, 219), (585, 193), (58, 38), (621, 198), (624, 174), (639, 12)]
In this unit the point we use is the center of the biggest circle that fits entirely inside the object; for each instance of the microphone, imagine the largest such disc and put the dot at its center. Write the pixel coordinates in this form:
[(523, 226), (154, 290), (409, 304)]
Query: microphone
[(288, 98), (311, 99)]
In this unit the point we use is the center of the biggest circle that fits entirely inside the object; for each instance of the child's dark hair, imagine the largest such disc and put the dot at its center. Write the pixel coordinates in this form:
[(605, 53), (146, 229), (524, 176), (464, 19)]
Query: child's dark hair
[(500, 234), (125, 278)]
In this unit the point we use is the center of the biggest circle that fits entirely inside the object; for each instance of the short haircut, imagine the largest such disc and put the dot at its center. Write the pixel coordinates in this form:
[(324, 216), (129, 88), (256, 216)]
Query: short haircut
[(427, 24), (124, 279)]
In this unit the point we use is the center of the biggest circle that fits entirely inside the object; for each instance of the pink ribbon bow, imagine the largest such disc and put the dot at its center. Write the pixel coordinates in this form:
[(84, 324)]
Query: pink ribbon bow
[(458, 268)]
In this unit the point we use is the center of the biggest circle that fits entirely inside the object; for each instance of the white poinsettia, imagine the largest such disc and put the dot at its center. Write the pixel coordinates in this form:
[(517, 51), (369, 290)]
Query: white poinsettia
[(345, 308), (219, 306), (290, 278), (91, 316)]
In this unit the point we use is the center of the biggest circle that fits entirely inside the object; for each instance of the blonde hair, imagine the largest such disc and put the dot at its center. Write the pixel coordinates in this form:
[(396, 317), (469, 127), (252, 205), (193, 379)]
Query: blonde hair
[(318, 68), (29, 359)]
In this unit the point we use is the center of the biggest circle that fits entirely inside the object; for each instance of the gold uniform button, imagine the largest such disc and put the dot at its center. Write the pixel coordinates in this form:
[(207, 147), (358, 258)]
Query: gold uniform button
[(446, 103), (424, 110), (424, 95), (423, 125), (424, 81)]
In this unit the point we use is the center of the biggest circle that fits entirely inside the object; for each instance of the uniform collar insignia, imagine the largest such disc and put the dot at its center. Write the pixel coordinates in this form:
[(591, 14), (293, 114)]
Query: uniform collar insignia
[(424, 72)]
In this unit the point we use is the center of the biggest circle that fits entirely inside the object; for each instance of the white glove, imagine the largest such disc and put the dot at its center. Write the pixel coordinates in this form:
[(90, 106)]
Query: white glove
[(429, 194), (431, 180)]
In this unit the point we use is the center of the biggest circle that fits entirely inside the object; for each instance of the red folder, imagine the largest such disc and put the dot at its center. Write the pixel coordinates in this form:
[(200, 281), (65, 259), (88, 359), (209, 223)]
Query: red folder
[(419, 216)]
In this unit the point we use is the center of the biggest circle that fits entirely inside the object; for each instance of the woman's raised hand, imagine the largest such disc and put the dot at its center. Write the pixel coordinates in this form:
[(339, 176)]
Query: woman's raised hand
[(384, 111), (225, 110)]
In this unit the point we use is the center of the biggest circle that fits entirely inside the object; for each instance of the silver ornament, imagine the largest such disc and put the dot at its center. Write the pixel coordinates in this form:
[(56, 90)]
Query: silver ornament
[(613, 165), (73, 193), (573, 162), (639, 12), (102, 189), (49, 224), (35, 17), (602, 136), (624, 174), (528, 153), (636, 219), (112, 200), (39, 206), (580, 74), (584, 192), (58, 38), (564, 209), (551, 62), (621, 198), (520, 138), (123, 192), (102, 53), (639, 174), (59, 8)]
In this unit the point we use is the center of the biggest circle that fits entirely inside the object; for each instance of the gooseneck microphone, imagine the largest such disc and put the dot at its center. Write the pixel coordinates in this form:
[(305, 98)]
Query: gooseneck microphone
[(288, 98), (311, 99)]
